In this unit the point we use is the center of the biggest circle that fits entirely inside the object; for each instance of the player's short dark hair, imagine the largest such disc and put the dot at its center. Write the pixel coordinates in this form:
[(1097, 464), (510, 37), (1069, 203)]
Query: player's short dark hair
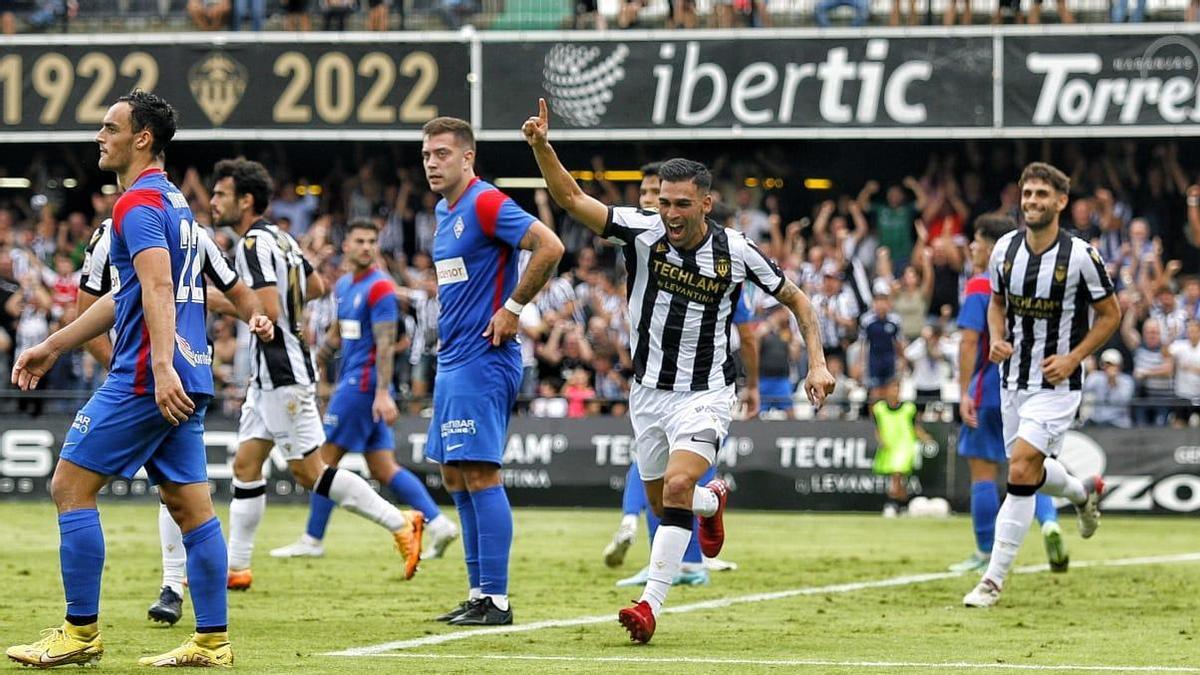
[(150, 111), (362, 225), (451, 125), (249, 178), (1049, 173), (651, 169), (992, 226), (679, 169)]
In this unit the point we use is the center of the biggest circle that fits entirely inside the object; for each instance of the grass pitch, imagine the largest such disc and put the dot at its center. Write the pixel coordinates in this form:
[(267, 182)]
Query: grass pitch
[(1138, 615)]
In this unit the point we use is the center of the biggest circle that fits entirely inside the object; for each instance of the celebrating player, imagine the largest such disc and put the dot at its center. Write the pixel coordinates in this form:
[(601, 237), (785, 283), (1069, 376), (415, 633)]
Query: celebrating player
[(684, 274), (158, 314), (1043, 282), (475, 251), (982, 438), (363, 408), (281, 407)]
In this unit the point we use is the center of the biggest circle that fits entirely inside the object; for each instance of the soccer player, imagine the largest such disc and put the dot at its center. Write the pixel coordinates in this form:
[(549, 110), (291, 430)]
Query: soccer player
[(684, 273), (281, 406), (1043, 281), (100, 277), (363, 408), (981, 440), (897, 428), (695, 568), (475, 249), (150, 410)]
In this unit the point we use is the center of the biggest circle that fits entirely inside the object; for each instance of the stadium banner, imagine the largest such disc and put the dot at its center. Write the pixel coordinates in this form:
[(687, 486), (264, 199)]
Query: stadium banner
[(222, 87), (775, 84), (1094, 81), (799, 465)]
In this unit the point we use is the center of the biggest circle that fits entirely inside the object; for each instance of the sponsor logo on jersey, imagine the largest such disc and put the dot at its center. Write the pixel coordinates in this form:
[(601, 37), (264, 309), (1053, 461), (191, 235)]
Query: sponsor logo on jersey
[(451, 271), (193, 359), (82, 423), (350, 329)]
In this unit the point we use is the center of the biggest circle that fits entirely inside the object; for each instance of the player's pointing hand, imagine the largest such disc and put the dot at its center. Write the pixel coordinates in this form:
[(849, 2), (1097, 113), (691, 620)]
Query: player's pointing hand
[(536, 128), (818, 385)]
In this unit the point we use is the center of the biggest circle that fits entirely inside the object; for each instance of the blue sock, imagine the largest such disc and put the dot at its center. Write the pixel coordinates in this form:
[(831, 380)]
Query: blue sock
[(410, 490), (1044, 509), (207, 573), (651, 525), (81, 554), (320, 508), (985, 504), (633, 500), (494, 517), (470, 535)]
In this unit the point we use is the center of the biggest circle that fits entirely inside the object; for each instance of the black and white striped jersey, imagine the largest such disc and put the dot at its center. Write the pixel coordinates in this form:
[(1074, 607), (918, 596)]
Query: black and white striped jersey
[(681, 302), (99, 275), (266, 257), (1048, 297)]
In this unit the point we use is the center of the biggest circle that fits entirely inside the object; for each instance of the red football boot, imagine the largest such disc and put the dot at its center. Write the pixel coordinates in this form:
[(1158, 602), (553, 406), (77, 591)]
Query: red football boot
[(639, 621), (712, 528)]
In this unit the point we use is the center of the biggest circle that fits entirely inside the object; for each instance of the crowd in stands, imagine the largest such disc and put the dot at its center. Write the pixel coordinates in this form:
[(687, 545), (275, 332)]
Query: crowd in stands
[(888, 250), (338, 15)]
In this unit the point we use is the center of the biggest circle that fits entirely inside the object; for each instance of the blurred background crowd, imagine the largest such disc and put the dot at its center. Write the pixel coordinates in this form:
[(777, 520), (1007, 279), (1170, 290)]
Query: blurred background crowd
[(340, 15), (893, 248)]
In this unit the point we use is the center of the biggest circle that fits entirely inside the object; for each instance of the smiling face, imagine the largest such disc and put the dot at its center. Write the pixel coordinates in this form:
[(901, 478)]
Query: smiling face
[(448, 164), (1041, 203), (118, 141), (683, 209)]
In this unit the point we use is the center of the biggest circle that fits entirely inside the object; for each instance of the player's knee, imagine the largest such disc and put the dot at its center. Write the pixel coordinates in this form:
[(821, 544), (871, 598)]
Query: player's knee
[(307, 473), (246, 469), (1024, 471), (677, 489)]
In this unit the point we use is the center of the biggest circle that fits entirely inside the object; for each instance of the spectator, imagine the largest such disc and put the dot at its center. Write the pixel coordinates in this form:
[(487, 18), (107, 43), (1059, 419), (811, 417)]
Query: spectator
[(257, 11), (548, 402), (1152, 370), (627, 16), (748, 218), (8, 20), (880, 334), (778, 350), (895, 216), (912, 301), (1110, 393), (588, 15), (1169, 315), (295, 203), (377, 15), (931, 365), (579, 394), (1185, 356), (335, 12), (862, 11), (296, 17), (209, 14), (836, 311), (682, 13)]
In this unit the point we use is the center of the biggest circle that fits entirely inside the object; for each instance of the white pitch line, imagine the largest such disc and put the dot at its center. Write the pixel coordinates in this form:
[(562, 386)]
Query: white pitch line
[(822, 663), (379, 649)]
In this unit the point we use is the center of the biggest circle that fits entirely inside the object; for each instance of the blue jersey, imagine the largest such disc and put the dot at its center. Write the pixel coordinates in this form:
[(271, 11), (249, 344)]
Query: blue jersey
[(475, 253), (985, 380), (154, 214), (362, 301)]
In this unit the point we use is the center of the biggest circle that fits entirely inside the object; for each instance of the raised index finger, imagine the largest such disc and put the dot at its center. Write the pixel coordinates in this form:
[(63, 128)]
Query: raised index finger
[(543, 113)]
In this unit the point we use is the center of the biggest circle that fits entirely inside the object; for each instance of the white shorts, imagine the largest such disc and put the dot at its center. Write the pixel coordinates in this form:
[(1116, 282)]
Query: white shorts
[(666, 421), (287, 415), (1040, 416)]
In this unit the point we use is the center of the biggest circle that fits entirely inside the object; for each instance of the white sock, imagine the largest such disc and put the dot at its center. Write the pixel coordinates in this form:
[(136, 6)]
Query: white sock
[(629, 521), (666, 554), (1060, 483), (704, 501), (245, 513), (174, 557), (691, 567), (500, 601), (1012, 522), (475, 593), (355, 495)]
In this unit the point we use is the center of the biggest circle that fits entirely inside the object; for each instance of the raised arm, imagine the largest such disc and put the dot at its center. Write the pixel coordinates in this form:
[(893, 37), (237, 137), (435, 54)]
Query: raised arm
[(563, 189)]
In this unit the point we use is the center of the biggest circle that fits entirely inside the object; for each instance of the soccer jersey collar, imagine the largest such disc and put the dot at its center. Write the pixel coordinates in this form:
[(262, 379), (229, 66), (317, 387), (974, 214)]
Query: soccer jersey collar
[(148, 172), (464, 194), (363, 275)]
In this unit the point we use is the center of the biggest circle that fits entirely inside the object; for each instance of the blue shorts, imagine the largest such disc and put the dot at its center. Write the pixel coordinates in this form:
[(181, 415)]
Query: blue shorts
[(985, 441), (775, 393), (880, 375), (116, 433), (350, 425), (471, 407)]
